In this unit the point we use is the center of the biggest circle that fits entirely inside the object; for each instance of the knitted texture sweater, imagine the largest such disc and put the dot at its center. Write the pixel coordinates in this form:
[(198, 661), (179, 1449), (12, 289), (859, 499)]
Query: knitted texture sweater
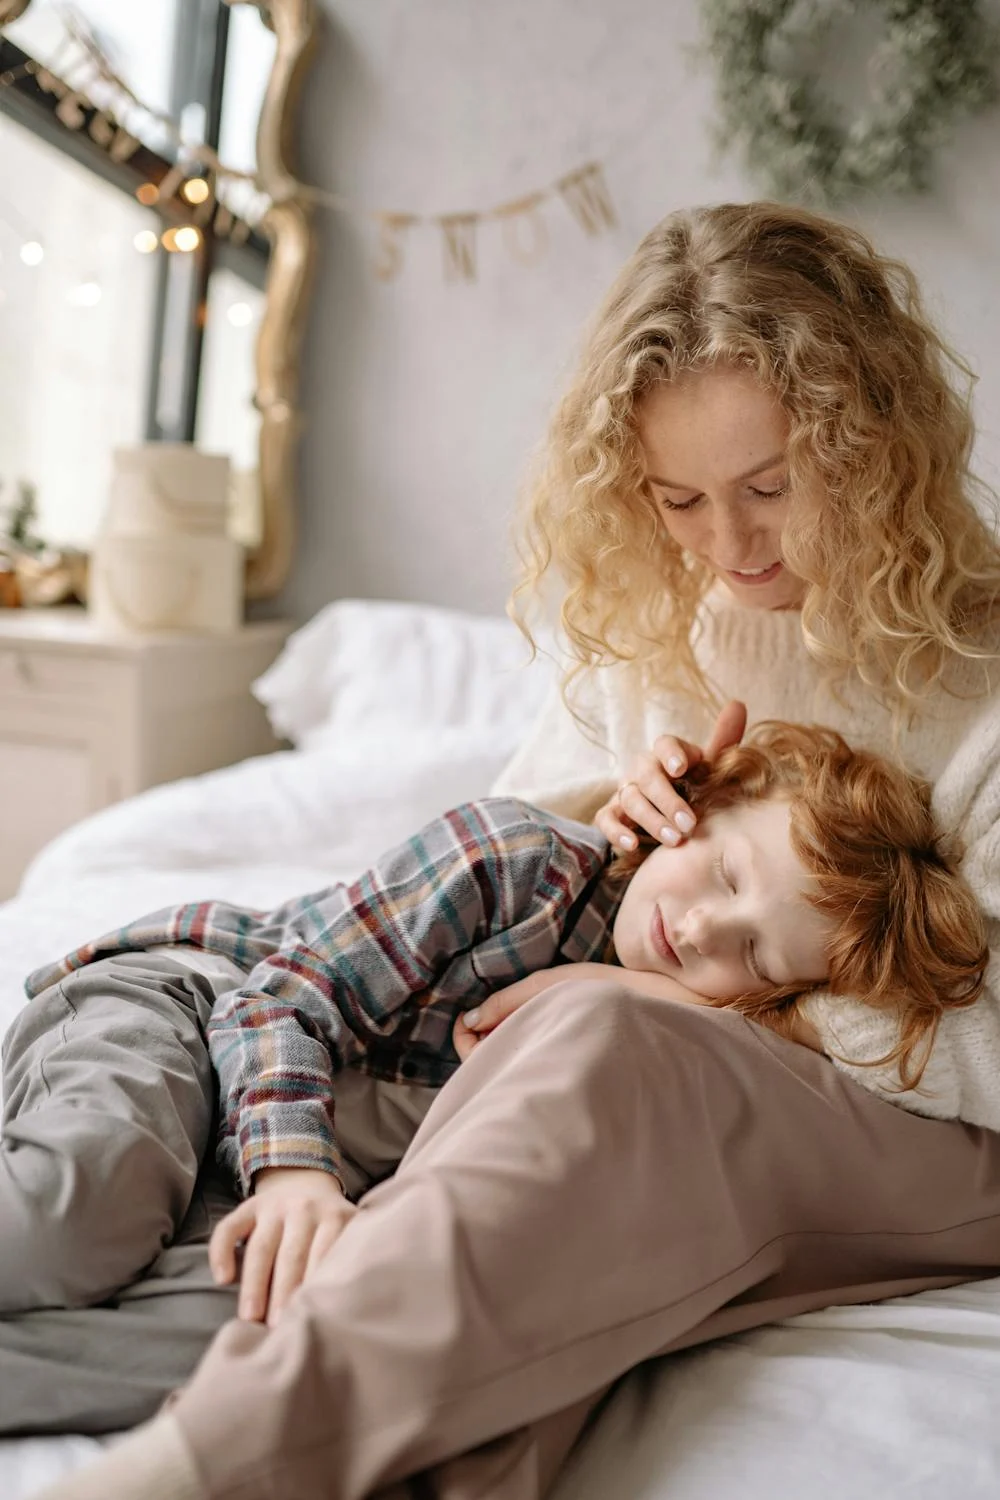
[(953, 740)]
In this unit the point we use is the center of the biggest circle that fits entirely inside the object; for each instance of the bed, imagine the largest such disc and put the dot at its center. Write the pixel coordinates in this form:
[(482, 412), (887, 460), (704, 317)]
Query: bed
[(394, 712)]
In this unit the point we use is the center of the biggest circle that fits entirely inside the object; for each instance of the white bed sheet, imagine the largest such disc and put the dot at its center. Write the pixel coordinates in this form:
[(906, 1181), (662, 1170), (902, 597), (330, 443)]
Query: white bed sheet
[(902, 1399), (897, 1401)]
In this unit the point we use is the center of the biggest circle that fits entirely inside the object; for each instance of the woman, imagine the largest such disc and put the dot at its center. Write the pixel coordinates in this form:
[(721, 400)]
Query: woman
[(757, 488)]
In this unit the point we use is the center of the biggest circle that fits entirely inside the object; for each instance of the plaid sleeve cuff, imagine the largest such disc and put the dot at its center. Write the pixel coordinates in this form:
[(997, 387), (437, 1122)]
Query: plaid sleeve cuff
[(293, 1136)]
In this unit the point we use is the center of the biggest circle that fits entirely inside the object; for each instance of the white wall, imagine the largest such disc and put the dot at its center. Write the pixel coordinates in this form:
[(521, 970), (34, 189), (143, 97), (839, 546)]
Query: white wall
[(424, 399)]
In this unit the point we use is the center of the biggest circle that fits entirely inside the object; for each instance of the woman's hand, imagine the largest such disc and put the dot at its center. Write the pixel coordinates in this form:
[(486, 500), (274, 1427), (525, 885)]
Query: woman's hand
[(290, 1222), (647, 800), (475, 1026)]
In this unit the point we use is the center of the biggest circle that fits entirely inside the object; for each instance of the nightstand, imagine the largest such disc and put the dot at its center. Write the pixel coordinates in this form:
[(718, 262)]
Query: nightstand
[(87, 718)]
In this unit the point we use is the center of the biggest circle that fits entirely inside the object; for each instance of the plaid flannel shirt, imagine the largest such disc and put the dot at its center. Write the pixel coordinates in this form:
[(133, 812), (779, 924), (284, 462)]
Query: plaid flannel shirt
[(372, 975)]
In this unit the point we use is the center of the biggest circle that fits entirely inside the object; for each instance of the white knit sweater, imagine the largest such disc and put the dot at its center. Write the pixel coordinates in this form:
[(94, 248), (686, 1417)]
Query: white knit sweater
[(759, 656)]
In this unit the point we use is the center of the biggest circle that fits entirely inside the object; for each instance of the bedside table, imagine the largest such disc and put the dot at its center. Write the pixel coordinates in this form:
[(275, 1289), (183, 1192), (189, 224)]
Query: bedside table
[(87, 718)]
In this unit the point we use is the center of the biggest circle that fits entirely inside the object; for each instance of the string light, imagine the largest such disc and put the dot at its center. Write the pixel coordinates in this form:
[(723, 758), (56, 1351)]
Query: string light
[(197, 190), (32, 253), (185, 239), (147, 193), (146, 241), (240, 315)]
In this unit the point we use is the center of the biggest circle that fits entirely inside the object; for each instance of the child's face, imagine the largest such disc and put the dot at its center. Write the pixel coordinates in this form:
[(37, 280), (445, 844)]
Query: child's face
[(725, 913)]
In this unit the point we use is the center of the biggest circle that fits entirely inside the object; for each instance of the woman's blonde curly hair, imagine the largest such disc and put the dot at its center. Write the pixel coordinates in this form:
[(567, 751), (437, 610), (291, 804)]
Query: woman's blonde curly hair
[(902, 572)]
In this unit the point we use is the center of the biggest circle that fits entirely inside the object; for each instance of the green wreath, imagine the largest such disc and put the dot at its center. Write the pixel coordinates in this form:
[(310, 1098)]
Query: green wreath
[(936, 60)]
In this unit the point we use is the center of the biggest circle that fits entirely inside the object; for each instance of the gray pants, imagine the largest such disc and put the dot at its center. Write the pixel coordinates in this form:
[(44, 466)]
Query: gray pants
[(109, 1190)]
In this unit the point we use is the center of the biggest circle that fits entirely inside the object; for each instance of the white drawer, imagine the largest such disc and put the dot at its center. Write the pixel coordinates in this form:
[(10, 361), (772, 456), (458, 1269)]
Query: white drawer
[(26, 672)]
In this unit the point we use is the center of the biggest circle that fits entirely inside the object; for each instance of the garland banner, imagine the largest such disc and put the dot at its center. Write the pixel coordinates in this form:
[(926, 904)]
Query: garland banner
[(523, 230), (937, 60)]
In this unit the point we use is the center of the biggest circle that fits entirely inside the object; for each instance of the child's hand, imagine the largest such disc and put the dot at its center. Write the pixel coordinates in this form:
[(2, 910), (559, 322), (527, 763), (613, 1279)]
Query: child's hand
[(475, 1026), (290, 1222)]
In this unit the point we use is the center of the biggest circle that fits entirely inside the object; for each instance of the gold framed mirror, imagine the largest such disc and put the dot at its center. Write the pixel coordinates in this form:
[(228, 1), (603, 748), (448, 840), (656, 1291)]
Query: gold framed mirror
[(282, 229), (288, 225)]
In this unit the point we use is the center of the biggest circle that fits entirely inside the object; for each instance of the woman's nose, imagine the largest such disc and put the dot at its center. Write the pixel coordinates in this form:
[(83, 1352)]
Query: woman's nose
[(732, 534)]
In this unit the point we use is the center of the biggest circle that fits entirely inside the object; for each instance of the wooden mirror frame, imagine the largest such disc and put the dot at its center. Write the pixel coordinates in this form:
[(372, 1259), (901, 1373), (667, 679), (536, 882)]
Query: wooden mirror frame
[(288, 226)]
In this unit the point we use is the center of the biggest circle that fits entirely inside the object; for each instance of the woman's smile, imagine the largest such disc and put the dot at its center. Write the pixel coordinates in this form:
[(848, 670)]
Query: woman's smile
[(753, 576)]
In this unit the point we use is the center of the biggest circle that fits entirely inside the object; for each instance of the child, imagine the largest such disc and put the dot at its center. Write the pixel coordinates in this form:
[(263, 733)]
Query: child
[(811, 864)]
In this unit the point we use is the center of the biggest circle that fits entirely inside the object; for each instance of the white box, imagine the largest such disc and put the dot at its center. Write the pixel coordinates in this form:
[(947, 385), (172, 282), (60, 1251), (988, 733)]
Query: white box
[(154, 583), (168, 489)]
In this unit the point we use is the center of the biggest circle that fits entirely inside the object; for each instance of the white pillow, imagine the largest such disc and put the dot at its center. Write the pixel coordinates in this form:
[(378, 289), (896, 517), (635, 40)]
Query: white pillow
[(367, 668)]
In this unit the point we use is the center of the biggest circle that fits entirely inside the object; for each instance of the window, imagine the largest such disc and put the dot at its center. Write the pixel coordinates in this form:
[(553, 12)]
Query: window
[(227, 420), (107, 337), (138, 39), (76, 330)]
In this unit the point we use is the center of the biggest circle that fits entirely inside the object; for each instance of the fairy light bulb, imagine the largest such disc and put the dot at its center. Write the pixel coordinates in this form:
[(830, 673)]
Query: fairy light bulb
[(196, 190), (187, 238)]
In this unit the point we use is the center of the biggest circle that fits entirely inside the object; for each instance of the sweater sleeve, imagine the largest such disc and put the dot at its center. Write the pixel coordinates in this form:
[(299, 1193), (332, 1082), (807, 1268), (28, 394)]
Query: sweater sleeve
[(564, 766), (962, 1077)]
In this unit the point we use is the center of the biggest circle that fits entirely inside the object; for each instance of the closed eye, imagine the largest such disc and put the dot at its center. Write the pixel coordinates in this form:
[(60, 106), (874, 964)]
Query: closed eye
[(768, 494), (680, 505), (754, 966), (749, 956)]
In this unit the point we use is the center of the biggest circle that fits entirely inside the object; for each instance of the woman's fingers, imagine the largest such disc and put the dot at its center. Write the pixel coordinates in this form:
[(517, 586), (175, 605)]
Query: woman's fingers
[(670, 756), (649, 801), (608, 820), (226, 1235), (728, 729), (652, 804)]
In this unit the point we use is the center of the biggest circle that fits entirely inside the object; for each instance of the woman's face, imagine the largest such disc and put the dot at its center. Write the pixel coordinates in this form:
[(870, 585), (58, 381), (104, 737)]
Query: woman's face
[(713, 446)]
